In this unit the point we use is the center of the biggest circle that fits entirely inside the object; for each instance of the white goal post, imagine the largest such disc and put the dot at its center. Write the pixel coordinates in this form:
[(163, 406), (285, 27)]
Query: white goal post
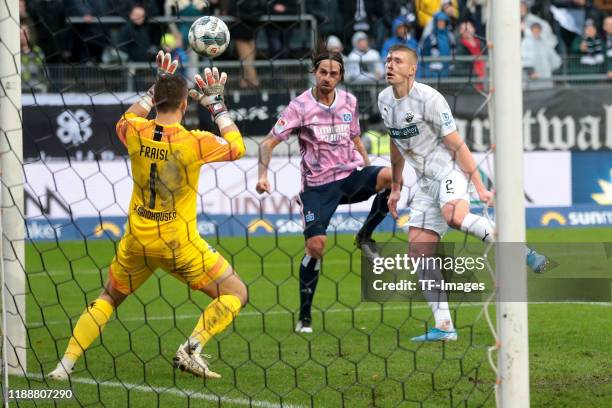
[(513, 351), (12, 267)]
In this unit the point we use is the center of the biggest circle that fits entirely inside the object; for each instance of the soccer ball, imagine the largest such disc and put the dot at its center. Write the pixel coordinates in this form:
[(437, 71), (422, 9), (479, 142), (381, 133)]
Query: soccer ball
[(209, 36)]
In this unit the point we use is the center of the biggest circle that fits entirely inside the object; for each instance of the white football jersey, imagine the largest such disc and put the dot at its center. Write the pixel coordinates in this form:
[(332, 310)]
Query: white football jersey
[(417, 123)]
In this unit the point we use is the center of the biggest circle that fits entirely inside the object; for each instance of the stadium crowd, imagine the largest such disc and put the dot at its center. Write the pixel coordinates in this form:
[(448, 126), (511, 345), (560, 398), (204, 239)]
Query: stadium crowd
[(580, 31)]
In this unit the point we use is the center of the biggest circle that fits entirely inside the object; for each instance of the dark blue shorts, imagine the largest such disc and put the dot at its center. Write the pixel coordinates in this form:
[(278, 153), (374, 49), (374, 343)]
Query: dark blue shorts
[(319, 203)]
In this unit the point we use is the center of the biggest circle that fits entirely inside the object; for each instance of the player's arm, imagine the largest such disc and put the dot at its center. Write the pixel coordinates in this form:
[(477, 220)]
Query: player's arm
[(397, 169), (265, 154), (361, 150), (142, 107), (465, 160), (209, 93)]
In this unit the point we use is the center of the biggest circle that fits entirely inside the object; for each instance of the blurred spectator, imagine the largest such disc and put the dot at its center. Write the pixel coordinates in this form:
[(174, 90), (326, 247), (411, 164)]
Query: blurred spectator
[(475, 11), (528, 19), (50, 19), (173, 43), (363, 63), (607, 37), (469, 45), (33, 74), (590, 49), (383, 16), (184, 8), (136, 38), (569, 18), (333, 44), (26, 19), (402, 34), (426, 9), (604, 6), (440, 43), (91, 37), (451, 11), (328, 15), (279, 32), (539, 59), (243, 33)]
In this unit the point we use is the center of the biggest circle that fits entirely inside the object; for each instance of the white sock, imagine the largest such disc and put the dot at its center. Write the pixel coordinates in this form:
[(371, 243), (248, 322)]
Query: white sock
[(442, 315), (478, 226)]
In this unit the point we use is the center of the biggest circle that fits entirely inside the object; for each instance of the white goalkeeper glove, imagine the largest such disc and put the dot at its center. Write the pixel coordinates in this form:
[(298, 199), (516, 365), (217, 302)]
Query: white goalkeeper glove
[(209, 93), (165, 66)]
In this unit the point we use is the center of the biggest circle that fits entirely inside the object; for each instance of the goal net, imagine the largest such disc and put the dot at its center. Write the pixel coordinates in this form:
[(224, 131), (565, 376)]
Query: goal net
[(65, 200)]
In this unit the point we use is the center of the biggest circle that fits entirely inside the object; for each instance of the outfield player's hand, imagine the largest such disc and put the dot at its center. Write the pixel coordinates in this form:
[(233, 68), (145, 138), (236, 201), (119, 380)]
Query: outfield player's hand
[(263, 186), (394, 198), (487, 197), (165, 65), (209, 91)]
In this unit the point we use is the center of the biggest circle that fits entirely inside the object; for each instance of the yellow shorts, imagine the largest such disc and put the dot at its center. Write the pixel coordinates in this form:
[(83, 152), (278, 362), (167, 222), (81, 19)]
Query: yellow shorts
[(197, 265)]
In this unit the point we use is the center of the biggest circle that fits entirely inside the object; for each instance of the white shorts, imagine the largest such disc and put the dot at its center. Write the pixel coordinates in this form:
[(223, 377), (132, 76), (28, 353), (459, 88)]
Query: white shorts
[(425, 207)]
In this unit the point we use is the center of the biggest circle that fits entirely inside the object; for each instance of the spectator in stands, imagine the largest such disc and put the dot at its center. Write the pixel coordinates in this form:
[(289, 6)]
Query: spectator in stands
[(329, 17), (33, 74), (475, 11), (50, 19), (451, 11), (364, 64), (173, 43), (469, 45), (333, 44), (590, 49), (569, 18), (136, 37), (184, 8), (440, 43), (279, 33), (243, 33), (607, 39), (402, 34), (383, 16), (26, 19), (426, 9), (528, 19), (539, 59)]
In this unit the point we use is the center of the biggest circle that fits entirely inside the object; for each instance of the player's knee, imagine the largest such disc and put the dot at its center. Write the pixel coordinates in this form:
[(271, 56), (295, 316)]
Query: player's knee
[(453, 215), (315, 247), (384, 178)]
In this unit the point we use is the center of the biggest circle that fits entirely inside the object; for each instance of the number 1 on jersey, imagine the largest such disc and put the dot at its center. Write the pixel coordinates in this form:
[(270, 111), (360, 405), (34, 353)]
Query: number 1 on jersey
[(152, 176)]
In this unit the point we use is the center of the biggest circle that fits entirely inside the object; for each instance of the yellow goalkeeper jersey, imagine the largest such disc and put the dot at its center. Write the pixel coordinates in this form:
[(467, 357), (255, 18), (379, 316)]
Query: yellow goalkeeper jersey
[(165, 163)]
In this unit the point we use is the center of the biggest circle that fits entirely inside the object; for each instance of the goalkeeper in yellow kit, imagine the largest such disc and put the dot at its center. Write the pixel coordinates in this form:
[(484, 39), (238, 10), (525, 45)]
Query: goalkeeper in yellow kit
[(161, 230)]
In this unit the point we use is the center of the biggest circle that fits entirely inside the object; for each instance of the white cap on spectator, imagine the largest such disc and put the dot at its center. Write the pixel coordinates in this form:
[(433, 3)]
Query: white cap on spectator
[(333, 42)]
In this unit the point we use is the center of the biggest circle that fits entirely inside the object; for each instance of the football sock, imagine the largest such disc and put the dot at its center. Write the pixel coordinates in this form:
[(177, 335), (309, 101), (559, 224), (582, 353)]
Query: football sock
[(309, 276), (478, 226), (216, 317), (88, 328), (437, 299), (377, 214)]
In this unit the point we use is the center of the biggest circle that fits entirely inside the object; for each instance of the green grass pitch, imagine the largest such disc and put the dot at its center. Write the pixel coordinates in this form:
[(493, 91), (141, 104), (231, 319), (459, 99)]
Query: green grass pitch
[(359, 356)]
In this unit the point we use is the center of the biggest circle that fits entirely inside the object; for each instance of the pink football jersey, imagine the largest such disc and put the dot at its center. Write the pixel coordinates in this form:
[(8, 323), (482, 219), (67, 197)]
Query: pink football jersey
[(325, 134)]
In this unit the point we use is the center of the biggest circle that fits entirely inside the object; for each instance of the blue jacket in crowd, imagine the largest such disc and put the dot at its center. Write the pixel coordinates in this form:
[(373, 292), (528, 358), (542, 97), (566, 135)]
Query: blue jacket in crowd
[(440, 43)]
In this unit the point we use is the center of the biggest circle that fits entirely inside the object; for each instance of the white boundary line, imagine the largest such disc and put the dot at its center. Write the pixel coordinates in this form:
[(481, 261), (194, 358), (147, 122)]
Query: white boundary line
[(255, 313), (173, 391)]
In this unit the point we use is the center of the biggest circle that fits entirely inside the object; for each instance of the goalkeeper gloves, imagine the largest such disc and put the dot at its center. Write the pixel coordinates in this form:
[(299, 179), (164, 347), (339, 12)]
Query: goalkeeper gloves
[(209, 93), (165, 66)]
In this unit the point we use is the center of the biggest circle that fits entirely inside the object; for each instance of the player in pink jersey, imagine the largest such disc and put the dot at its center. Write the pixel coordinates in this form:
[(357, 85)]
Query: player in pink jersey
[(335, 168)]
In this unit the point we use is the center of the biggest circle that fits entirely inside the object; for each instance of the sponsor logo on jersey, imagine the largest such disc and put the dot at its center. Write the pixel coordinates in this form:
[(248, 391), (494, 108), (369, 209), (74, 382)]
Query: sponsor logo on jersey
[(280, 125), (404, 133), (347, 117)]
